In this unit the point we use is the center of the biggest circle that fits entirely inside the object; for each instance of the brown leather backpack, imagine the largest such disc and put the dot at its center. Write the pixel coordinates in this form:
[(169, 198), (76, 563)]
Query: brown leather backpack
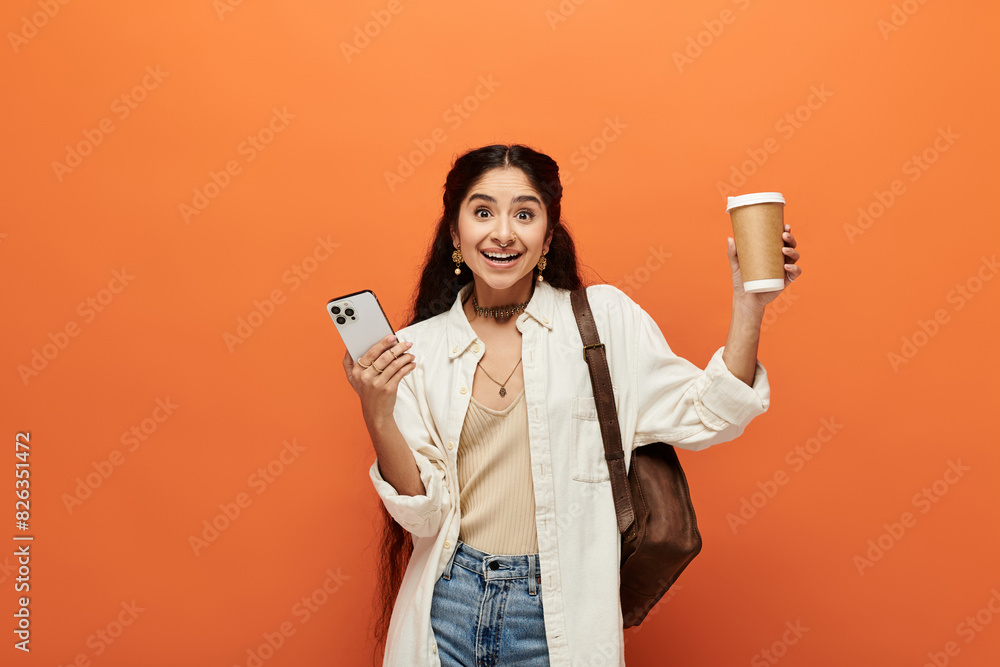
[(655, 516)]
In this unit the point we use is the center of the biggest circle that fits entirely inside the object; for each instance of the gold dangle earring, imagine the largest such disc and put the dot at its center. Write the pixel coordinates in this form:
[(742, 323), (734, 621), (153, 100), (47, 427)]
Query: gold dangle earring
[(457, 258), (541, 265)]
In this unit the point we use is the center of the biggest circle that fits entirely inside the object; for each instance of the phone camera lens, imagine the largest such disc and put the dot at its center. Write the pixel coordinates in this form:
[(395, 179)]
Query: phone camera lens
[(341, 320), (349, 312), (335, 310)]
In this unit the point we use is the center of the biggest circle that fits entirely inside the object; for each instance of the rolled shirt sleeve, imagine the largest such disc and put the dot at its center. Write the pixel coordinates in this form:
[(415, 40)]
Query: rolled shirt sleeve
[(421, 515), (682, 405)]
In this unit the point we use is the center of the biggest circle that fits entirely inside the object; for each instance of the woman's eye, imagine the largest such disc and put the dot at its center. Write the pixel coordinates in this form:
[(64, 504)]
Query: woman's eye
[(530, 214)]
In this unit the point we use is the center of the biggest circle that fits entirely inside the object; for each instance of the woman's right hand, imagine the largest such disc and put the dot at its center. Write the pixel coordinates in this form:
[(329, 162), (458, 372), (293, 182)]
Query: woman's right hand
[(377, 391)]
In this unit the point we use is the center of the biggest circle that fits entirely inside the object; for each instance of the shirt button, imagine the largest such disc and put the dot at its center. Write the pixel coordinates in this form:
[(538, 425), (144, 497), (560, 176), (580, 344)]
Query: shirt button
[(434, 648), (451, 445), (463, 390), (475, 348), (455, 349), (447, 544), (545, 320)]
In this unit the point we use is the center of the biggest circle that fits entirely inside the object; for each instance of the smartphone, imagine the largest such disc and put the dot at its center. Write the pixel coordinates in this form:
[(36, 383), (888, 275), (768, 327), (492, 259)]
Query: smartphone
[(360, 320)]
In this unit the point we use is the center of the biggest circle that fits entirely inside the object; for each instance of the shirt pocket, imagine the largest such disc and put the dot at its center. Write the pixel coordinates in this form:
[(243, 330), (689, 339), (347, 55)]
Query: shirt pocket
[(589, 464)]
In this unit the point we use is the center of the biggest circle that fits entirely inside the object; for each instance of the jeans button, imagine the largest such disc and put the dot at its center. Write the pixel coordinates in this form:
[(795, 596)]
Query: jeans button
[(494, 565)]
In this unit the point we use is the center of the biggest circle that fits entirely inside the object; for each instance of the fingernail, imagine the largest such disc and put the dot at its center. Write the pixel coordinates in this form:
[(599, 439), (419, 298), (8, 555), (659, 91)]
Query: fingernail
[(392, 339), (409, 343)]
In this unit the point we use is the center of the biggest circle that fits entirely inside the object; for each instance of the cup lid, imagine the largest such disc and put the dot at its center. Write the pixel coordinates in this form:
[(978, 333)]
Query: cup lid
[(754, 198)]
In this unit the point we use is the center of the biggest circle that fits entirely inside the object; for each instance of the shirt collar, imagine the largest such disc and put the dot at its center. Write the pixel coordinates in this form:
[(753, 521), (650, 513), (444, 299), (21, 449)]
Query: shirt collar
[(540, 308)]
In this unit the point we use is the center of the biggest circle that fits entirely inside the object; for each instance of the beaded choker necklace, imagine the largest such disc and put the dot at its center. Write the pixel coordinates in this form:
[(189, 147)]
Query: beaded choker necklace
[(499, 311)]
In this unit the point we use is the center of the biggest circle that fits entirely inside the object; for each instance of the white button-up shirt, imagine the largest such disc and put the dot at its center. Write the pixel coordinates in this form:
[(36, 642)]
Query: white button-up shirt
[(660, 397)]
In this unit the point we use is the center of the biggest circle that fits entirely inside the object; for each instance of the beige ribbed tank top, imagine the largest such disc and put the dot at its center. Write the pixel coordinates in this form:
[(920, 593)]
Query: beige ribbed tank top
[(494, 477)]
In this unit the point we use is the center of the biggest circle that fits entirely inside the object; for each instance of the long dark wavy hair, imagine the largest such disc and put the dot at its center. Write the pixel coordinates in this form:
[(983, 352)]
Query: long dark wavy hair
[(436, 293)]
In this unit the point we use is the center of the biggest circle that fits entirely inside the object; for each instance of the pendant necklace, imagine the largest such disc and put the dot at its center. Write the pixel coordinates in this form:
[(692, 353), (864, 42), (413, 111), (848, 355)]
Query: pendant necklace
[(503, 388)]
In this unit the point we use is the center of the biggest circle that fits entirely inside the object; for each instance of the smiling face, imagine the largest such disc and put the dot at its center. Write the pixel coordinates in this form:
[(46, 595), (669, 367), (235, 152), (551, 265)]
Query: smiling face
[(502, 205)]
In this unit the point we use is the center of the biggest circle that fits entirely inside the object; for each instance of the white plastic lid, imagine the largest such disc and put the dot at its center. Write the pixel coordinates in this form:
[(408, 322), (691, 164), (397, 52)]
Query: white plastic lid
[(754, 198)]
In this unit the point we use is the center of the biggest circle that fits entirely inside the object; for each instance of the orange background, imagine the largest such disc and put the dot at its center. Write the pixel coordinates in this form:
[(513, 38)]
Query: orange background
[(653, 184)]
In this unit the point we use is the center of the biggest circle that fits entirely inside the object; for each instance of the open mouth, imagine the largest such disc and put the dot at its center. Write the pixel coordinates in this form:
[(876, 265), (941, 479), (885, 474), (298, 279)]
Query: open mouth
[(501, 258)]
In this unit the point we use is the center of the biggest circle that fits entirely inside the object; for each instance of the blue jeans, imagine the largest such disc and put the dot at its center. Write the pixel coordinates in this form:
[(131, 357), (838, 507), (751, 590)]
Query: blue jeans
[(487, 611)]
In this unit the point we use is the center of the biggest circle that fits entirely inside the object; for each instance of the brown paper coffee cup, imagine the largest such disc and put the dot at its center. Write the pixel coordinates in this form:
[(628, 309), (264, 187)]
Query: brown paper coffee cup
[(758, 222)]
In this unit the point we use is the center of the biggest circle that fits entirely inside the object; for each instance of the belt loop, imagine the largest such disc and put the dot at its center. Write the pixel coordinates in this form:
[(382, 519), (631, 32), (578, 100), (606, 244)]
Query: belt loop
[(451, 560), (532, 585)]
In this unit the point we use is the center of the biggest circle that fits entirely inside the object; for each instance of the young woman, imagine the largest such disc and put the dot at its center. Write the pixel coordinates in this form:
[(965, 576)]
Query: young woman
[(501, 544)]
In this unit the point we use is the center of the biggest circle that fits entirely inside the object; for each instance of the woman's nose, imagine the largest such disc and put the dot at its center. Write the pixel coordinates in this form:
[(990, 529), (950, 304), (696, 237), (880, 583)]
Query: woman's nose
[(502, 229)]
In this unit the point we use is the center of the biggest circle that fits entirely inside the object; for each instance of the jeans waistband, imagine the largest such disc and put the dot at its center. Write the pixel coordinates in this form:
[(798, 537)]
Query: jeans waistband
[(492, 566)]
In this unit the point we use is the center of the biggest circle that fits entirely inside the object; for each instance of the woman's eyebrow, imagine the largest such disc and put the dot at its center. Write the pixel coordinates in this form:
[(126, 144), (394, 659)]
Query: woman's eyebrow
[(516, 200)]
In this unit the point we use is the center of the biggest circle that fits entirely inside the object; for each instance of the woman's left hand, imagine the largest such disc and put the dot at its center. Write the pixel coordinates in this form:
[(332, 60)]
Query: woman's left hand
[(758, 300)]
